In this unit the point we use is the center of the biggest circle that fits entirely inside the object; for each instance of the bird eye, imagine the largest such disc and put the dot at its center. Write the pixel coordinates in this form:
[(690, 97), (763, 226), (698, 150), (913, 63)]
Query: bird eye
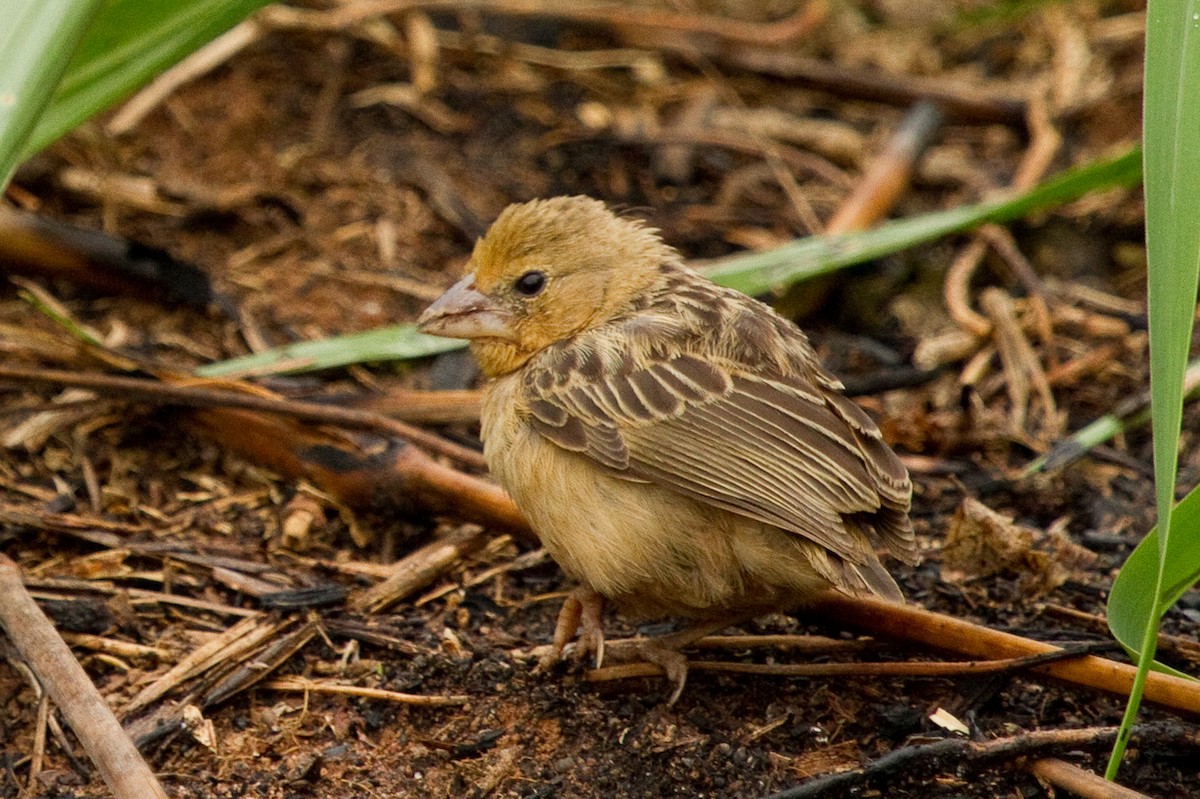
[(530, 283)]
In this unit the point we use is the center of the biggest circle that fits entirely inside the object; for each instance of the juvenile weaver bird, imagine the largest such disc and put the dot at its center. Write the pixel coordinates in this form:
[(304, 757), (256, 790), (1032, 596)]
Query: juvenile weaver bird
[(676, 446)]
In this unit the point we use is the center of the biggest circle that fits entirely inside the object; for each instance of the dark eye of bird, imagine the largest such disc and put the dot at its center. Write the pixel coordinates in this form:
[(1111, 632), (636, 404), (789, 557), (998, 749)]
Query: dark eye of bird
[(530, 283)]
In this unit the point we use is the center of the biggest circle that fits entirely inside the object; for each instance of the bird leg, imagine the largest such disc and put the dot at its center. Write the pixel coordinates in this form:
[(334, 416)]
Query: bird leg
[(664, 650), (582, 613)]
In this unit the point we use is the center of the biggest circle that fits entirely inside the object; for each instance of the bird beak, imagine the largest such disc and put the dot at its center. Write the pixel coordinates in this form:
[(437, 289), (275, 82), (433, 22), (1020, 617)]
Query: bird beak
[(463, 312)]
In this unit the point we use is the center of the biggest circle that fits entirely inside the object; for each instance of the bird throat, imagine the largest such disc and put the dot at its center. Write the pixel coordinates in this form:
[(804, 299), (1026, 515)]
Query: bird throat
[(497, 358)]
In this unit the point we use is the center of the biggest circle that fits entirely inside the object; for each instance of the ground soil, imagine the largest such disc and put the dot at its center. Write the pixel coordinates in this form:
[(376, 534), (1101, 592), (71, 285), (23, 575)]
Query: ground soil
[(318, 213)]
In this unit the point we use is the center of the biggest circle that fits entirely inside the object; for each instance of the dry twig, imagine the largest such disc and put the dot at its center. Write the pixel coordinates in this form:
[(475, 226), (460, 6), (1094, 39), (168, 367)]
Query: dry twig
[(909, 623), (904, 669), (1072, 778), (200, 396), (958, 753), (419, 569), (65, 681), (322, 687)]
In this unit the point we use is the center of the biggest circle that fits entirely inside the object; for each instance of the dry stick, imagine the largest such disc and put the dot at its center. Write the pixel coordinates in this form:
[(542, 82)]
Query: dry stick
[(1023, 371), (909, 623), (956, 290), (316, 687), (418, 569), (247, 633), (39, 742), (427, 407), (959, 99), (98, 730), (195, 397), (906, 669), (614, 15), (958, 753), (69, 523), (1167, 643), (137, 596), (1080, 782), (889, 173), (266, 660), (144, 596), (398, 477), (199, 63), (810, 644), (115, 647), (806, 644)]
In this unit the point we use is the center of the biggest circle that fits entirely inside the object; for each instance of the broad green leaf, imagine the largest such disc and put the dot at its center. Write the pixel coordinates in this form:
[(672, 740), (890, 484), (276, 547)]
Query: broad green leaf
[(130, 42), (37, 39), (1171, 138), (755, 273), (401, 342), (1133, 600)]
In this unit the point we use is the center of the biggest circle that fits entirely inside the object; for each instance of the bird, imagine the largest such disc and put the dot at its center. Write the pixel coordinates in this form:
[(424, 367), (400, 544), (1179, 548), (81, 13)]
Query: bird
[(677, 446)]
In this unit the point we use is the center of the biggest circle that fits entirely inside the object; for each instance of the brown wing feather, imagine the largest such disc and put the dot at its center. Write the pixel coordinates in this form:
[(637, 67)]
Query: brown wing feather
[(783, 448)]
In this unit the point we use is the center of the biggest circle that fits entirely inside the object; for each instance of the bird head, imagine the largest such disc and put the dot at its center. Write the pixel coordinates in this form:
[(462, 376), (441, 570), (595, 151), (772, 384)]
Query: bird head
[(545, 271)]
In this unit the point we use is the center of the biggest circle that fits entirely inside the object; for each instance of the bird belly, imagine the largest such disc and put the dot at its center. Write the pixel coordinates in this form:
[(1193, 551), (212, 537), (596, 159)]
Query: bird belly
[(649, 550)]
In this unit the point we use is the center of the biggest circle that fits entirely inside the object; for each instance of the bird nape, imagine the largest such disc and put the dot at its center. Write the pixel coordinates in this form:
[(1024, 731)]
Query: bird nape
[(677, 446)]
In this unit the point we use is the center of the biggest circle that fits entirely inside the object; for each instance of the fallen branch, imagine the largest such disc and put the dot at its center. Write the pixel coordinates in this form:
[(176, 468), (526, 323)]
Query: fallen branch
[(1079, 782), (890, 172), (123, 769), (910, 623), (902, 669), (958, 753)]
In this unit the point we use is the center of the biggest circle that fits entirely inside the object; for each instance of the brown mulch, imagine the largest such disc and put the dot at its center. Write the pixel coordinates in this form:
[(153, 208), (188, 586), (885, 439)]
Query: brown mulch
[(317, 209)]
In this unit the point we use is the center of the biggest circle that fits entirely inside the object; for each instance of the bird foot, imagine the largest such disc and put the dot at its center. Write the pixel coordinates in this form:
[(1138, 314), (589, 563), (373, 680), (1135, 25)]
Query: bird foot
[(582, 612), (665, 652), (671, 661)]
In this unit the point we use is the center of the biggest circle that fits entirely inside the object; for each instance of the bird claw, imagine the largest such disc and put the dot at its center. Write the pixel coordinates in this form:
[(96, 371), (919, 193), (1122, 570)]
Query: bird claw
[(582, 613), (671, 661), (665, 651), (591, 639)]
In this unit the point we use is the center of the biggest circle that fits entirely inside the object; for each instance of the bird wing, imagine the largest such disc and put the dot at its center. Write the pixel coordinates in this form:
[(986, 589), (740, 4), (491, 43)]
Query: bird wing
[(778, 448)]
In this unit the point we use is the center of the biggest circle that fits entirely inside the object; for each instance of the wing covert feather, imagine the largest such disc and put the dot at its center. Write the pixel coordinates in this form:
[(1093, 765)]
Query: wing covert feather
[(778, 445)]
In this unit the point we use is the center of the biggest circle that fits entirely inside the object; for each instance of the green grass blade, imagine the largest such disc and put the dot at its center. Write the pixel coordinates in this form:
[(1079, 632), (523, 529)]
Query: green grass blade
[(764, 272), (1171, 137), (36, 43), (755, 273), (130, 42), (1075, 446), (402, 342)]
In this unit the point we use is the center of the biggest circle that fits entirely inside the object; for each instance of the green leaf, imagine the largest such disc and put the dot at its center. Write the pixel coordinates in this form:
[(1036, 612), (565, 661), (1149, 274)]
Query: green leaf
[(401, 342), (1171, 137), (775, 270), (754, 273), (1133, 599), (37, 39), (130, 43)]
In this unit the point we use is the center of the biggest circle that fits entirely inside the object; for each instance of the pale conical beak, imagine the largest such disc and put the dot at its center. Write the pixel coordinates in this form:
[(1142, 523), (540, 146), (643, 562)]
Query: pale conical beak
[(463, 312)]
